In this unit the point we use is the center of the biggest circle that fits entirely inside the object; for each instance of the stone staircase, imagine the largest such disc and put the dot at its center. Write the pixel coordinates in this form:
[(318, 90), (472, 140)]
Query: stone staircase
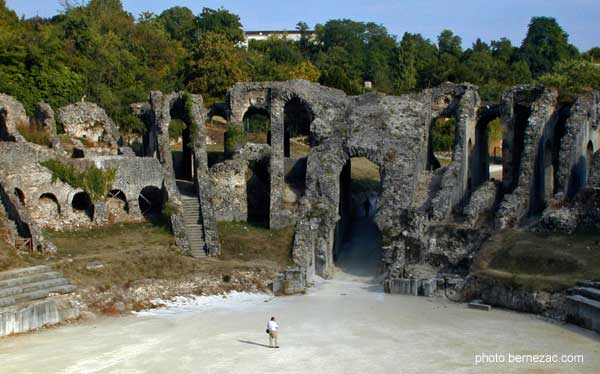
[(583, 305), (29, 284), (193, 227)]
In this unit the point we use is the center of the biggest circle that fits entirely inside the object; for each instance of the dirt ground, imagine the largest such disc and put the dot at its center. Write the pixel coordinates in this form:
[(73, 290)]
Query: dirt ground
[(342, 326)]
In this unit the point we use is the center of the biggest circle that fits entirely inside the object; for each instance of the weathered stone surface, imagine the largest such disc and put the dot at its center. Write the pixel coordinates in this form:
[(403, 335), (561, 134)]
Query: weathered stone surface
[(482, 201), (88, 121), (44, 117), (12, 115)]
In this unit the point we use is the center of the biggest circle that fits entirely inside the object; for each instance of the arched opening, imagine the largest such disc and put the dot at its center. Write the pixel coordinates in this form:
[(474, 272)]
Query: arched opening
[(20, 195), (358, 241), (442, 141), (297, 136), (216, 126), (181, 142), (151, 202), (82, 204), (297, 143), (258, 187), (487, 153), (47, 210), (117, 205), (257, 125)]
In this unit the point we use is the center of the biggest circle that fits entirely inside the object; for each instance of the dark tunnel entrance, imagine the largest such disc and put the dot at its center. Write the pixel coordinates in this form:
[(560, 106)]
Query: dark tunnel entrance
[(358, 241), (258, 195)]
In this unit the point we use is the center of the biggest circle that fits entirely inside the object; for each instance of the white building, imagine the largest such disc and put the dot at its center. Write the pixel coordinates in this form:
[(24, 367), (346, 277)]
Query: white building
[(294, 35)]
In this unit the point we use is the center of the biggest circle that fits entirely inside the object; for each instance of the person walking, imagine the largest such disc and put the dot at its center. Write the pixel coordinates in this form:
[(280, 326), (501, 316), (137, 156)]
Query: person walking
[(273, 330)]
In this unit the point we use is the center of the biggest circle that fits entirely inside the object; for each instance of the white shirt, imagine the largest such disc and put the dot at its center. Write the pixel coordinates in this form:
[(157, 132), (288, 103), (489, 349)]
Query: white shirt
[(272, 326)]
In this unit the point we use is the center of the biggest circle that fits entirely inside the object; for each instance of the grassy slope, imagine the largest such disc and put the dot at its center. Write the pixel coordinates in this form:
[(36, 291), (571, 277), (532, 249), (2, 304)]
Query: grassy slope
[(131, 252), (539, 261)]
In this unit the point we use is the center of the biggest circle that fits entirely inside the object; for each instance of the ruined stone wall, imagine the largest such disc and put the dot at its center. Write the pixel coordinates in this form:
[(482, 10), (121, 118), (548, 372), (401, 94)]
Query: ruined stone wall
[(454, 182), (12, 114), (581, 129), (88, 121), (518, 175)]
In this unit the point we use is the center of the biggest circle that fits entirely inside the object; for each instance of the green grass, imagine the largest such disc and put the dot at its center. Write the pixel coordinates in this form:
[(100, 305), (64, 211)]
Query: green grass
[(365, 175), (539, 261), (245, 242), (131, 252)]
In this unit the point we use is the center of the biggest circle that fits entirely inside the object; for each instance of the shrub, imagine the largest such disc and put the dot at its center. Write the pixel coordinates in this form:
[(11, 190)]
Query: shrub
[(443, 134), (34, 134), (93, 180), (176, 128), (234, 136)]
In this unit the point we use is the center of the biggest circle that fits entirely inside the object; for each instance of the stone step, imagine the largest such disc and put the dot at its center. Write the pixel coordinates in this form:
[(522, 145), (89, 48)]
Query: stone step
[(30, 287), (13, 282), (584, 300), (35, 295), (589, 283), (583, 312), (590, 293), (198, 253), (19, 273)]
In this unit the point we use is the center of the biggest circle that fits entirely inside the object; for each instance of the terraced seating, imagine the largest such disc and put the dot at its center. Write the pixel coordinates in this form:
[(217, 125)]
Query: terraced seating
[(29, 284), (583, 305)]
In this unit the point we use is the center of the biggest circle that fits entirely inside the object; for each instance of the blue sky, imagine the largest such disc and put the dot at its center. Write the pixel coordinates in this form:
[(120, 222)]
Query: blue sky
[(468, 18)]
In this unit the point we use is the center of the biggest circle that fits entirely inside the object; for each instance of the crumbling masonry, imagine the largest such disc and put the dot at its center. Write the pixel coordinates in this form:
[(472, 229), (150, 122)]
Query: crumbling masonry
[(430, 216)]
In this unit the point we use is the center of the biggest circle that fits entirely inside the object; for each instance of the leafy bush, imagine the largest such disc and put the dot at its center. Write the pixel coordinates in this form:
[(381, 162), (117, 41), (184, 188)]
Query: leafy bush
[(176, 128), (234, 136), (169, 209), (443, 134), (93, 180)]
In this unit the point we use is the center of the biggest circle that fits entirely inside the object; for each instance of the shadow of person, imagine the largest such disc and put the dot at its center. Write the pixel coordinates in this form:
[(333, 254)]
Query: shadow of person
[(253, 343)]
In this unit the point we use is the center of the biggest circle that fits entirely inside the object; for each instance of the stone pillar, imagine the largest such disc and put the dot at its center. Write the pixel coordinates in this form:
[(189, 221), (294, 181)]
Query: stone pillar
[(134, 206), (277, 168)]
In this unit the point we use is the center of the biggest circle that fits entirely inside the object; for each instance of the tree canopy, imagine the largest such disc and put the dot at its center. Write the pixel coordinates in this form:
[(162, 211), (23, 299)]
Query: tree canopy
[(100, 51)]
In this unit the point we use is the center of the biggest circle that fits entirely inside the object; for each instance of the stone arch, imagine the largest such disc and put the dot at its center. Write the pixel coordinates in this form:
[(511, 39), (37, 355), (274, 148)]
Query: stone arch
[(82, 203), (297, 119), (151, 201), (357, 208), (20, 195), (117, 204), (257, 124), (51, 198)]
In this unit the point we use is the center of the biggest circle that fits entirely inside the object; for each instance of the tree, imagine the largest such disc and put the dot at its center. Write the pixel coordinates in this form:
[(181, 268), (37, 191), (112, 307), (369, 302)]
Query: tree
[(221, 21), (407, 60), (181, 24), (214, 66), (593, 55), (545, 45), (573, 76), (448, 43)]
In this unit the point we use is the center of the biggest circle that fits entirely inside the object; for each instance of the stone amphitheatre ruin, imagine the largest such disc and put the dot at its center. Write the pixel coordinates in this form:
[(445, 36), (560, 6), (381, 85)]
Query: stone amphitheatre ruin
[(431, 219)]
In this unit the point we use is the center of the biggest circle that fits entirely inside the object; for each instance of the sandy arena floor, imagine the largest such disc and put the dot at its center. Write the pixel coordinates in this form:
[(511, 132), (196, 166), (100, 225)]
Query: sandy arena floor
[(346, 325), (340, 327)]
